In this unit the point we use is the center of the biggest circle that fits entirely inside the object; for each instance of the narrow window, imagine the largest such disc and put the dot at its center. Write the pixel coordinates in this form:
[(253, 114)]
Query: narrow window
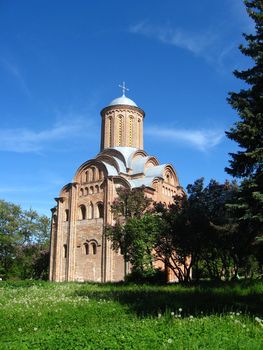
[(100, 210), (66, 215), (110, 131), (93, 174), (86, 248), (139, 131), (120, 126), (130, 130), (54, 221), (91, 210), (94, 248), (82, 212), (65, 250), (81, 192)]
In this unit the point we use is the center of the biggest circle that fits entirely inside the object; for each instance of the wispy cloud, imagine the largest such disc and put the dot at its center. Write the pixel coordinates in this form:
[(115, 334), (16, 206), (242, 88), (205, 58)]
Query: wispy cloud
[(196, 43), (212, 44), (15, 72), (202, 140), (26, 140)]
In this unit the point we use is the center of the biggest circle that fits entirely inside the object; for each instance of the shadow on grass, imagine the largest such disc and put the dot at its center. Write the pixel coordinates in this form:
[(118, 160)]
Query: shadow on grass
[(204, 299)]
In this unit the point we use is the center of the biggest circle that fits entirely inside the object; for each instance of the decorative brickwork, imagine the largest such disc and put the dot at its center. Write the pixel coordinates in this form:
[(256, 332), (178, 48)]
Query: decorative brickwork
[(79, 249)]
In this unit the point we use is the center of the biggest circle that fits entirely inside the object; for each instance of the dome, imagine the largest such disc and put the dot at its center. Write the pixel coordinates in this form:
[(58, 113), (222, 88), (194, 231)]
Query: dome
[(123, 100)]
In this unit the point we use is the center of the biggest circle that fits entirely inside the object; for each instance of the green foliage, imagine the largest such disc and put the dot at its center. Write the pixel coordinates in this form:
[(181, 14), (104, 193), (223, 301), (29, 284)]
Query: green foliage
[(136, 239), (247, 163), (41, 315), (130, 203), (24, 239), (135, 230), (198, 233)]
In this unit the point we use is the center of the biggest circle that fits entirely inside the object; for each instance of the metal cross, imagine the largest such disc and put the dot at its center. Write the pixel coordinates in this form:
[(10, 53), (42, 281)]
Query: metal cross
[(123, 87)]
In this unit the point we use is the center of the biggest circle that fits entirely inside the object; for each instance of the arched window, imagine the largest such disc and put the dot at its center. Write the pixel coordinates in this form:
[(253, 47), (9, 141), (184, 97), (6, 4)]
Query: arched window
[(139, 131), (91, 190), (130, 130), (65, 248), (81, 192), (86, 191), (82, 212), (54, 221), (109, 121), (86, 246), (94, 248), (66, 215), (120, 127), (91, 210), (100, 210), (100, 175), (93, 174), (96, 189)]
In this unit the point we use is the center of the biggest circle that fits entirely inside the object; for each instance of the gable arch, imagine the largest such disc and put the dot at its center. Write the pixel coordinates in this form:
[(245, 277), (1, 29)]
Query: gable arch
[(170, 176), (85, 172), (64, 192)]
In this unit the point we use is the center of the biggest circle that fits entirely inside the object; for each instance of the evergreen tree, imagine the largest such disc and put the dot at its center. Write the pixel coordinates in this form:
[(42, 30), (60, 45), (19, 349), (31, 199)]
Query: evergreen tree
[(247, 163)]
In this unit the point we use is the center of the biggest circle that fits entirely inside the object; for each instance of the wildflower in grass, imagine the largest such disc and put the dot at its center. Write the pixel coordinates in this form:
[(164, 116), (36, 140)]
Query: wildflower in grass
[(19, 329), (237, 313), (180, 309), (172, 313), (35, 329), (257, 319), (169, 341), (191, 317), (159, 315)]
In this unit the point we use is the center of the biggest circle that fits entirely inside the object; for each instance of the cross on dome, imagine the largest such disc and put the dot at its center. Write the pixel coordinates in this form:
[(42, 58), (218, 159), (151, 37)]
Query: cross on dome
[(123, 87)]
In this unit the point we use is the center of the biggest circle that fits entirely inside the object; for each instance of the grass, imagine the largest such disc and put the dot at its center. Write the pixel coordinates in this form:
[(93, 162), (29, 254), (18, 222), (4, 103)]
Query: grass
[(42, 315)]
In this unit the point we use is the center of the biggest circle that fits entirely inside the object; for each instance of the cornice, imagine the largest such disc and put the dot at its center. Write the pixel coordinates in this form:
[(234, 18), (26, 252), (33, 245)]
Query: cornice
[(122, 108)]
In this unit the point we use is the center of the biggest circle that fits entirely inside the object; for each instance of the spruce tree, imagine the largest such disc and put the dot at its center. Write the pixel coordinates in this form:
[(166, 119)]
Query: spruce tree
[(247, 162)]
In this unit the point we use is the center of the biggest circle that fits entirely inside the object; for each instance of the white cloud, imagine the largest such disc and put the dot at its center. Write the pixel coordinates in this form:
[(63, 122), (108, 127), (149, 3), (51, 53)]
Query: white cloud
[(194, 42), (214, 44), (201, 140), (24, 140)]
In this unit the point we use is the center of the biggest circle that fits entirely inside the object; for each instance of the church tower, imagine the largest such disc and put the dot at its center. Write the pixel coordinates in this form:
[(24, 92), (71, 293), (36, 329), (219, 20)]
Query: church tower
[(122, 124), (79, 249)]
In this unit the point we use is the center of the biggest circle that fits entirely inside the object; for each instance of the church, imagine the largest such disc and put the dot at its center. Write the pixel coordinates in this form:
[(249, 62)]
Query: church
[(79, 250)]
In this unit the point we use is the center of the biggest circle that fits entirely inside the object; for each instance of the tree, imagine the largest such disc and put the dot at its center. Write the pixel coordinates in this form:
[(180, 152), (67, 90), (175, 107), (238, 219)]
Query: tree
[(247, 163), (24, 238), (134, 230), (10, 234), (130, 203), (197, 232)]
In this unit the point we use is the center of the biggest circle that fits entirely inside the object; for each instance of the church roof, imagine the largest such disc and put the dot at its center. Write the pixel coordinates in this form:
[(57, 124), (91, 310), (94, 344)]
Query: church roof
[(123, 100), (140, 169)]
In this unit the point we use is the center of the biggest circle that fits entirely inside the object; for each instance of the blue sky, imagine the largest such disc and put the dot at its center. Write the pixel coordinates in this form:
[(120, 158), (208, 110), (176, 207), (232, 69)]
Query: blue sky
[(61, 62)]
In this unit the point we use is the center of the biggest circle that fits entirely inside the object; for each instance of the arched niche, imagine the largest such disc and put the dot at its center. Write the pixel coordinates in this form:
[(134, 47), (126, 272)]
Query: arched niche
[(82, 212)]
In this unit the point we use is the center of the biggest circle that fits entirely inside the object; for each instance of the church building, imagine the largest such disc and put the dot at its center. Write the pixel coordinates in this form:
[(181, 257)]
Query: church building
[(79, 250)]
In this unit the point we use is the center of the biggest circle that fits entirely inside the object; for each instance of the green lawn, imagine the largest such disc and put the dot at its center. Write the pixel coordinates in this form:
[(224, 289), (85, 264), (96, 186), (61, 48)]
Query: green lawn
[(42, 315)]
